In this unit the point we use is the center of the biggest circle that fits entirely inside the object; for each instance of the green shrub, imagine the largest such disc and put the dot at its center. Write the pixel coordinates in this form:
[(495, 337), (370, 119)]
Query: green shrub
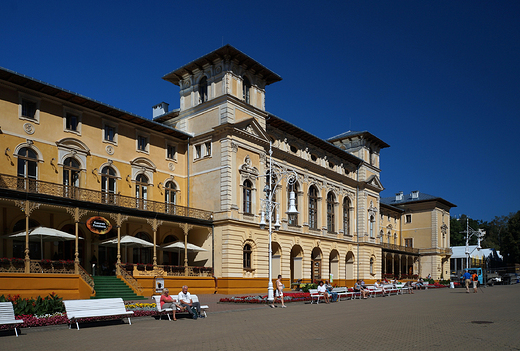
[(49, 305), (308, 286)]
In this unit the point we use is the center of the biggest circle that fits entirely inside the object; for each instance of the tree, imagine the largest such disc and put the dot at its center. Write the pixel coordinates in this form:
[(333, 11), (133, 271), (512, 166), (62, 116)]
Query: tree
[(510, 247), (458, 229)]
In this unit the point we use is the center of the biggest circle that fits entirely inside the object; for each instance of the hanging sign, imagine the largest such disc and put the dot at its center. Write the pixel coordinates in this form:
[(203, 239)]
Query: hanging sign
[(99, 225)]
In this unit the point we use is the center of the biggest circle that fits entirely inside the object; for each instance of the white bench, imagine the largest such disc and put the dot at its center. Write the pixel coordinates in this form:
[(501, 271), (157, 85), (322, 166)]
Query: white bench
[(343, 292), (175, 299), (77, 309), (7, 315), (315, 296), (391, 289)]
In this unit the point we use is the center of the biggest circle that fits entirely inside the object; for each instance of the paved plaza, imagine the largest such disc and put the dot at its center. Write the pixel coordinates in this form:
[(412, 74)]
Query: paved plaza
[(448, 319)]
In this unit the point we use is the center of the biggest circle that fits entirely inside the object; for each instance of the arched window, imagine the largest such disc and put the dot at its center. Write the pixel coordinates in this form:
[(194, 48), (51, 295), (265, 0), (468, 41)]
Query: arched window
[(27, 168), (247, 191), (371, 226), (247, 256), (371, 265), (293, 219), (70, 177), (389, 235), (246, 88), (141, 190), (330, 212), (203, 89), (313, 207), (108, 184), (346, 216)]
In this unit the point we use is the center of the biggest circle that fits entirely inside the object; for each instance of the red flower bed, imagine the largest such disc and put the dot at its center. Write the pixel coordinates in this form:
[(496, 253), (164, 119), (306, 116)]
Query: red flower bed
[(288, 297)]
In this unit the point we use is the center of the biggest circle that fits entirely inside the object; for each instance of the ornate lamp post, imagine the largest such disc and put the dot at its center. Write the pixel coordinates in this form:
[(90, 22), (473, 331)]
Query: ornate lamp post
[(469, 233), (274, 176)]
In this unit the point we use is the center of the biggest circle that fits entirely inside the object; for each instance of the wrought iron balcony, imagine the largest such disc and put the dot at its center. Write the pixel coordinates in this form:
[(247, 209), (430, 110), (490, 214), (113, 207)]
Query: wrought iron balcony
[(32, 186), (400, 248)]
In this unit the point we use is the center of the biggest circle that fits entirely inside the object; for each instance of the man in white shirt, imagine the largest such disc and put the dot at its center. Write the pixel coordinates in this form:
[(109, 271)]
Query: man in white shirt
[(185, 300)]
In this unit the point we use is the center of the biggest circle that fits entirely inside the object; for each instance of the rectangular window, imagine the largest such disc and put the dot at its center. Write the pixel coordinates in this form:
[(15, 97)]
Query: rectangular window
[(170, 152), (408, 218), (110, 133), (71, 122), (28, 109), (198, 151), (142, 143), (408, 242), (208, 148)]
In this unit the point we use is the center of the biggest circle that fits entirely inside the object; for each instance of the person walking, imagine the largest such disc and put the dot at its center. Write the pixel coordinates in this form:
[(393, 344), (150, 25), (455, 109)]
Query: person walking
[(474, 278), (279, 291), (467, 279)]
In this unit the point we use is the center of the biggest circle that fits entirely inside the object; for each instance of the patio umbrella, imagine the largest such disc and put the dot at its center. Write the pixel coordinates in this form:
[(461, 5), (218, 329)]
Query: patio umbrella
[(127, 241), (178, 246), (42, 234)]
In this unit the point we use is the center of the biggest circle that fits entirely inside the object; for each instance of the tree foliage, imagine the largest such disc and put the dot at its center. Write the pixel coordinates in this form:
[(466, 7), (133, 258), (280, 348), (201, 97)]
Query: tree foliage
[(502, 234)]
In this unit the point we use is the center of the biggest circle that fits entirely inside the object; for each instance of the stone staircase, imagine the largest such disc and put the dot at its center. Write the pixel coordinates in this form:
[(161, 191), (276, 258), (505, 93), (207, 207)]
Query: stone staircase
[(112, 286)]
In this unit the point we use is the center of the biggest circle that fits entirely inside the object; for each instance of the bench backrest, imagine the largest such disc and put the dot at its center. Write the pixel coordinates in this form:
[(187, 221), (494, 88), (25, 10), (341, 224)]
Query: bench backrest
[(313, 291), (6, 312), (115, 305)]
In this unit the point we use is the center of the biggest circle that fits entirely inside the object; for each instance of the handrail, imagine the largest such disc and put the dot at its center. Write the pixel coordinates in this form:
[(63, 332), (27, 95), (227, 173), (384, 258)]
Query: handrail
[(130, 281), (86, 277), (70, 192)]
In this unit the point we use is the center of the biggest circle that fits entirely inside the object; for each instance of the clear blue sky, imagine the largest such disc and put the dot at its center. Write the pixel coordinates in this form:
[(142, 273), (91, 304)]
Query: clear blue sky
[(437, 80)]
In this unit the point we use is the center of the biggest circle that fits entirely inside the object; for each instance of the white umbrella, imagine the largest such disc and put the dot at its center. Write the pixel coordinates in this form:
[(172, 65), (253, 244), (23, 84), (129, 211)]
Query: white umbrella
[(179, 245), (127, 241), (42, 234)]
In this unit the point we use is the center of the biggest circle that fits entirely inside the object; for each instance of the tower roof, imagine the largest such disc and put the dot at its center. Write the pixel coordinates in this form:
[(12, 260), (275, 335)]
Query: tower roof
[(225, 52)]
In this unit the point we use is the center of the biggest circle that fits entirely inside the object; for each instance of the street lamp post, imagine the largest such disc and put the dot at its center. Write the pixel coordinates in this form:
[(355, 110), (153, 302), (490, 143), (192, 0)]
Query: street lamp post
[(469, 233), (274, 175)]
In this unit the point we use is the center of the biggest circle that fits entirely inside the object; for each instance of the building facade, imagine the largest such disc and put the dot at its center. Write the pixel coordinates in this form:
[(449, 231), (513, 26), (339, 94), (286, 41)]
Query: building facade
[(197, 175)]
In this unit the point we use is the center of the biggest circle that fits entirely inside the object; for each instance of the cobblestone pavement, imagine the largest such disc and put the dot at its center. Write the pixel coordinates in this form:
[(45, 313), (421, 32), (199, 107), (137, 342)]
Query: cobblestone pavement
[(448, 319)]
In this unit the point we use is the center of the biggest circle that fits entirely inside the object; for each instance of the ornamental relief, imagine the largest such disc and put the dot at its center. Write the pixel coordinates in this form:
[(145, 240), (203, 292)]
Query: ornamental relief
[(248, 171)]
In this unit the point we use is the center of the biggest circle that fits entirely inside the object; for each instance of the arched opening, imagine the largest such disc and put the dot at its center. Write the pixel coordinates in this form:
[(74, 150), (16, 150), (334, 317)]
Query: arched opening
[(296, 263), (349, 266), (171, 257), (170, 198), (276, 259), (334, 265)]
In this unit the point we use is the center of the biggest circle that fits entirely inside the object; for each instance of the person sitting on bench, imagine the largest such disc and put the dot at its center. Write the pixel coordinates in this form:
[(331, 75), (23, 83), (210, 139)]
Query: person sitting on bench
[(167, 302), (186, 301)]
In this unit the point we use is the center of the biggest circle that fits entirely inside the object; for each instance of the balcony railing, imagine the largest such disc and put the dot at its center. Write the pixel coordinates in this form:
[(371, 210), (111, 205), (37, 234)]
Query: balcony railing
[(400, 248), (70, 192)]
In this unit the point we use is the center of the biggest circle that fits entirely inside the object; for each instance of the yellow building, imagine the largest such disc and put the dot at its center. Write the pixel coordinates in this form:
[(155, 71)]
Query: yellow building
[(424, 230), (194, 175)]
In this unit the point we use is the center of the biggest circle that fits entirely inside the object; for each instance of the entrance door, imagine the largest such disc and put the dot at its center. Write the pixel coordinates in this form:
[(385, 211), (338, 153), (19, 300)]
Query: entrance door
[(316, 270)]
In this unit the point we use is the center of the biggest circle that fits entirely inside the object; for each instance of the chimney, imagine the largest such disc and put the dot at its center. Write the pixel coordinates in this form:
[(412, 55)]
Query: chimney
[(415, 194), (399, 196), (160, 109)]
